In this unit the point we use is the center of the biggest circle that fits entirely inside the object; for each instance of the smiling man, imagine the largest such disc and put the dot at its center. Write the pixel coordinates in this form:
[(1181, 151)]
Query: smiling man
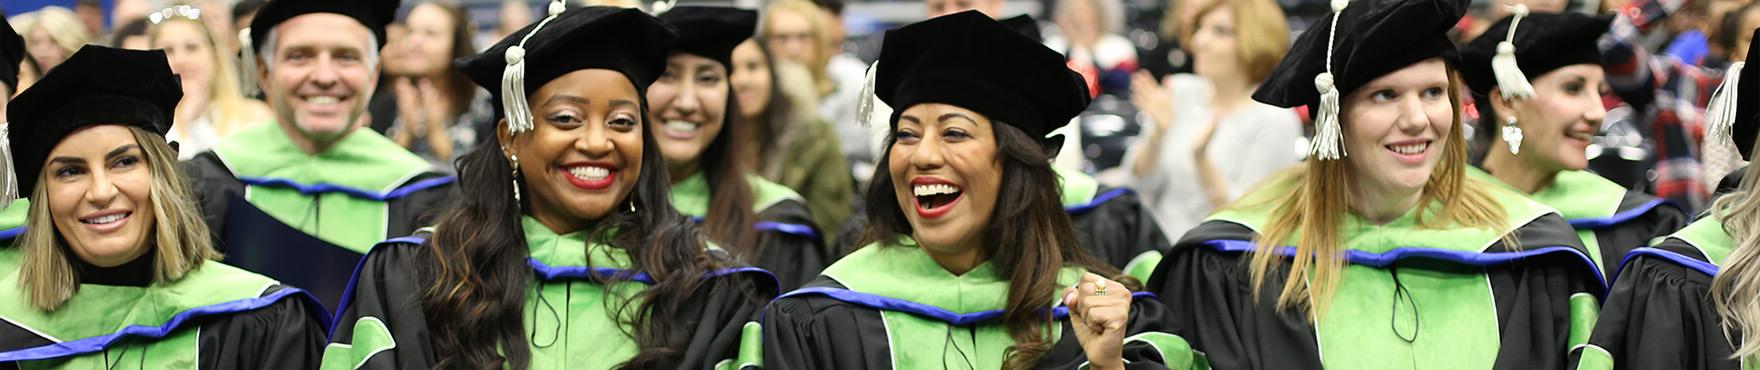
[(314, 170)]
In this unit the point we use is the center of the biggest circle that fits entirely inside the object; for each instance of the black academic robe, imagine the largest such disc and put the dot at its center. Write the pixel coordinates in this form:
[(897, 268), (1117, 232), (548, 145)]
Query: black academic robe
[(1659, 313), (386, 300), (789, 244), (831, 325), (1641, 218), (1541, 301), (216, 317), (1118, 230)]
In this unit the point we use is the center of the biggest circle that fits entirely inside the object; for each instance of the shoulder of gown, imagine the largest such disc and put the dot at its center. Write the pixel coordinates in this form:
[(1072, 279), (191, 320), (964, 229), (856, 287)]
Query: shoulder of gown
[(1659, 314)]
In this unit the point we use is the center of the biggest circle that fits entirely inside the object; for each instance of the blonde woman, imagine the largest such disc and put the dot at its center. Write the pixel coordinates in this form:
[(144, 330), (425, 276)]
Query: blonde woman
[(212, 106), (1691, 301), (1380, 252), (114, 270), (51, 34)]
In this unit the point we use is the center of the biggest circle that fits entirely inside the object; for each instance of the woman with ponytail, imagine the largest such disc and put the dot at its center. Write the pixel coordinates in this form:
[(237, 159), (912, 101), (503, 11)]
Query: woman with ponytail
[(1380, 252), (970, 260), (566, 253), (1692, 301)]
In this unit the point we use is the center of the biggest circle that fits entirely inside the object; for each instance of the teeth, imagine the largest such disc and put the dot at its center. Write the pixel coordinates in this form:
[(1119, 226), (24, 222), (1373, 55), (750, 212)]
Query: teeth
[(937, 189), (590, 172), (323, 100), (105, 219), (1410, 149), (680, 126)]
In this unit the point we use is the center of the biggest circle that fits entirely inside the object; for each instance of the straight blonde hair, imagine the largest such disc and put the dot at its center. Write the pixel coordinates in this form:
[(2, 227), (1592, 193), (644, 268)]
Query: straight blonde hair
[(179, 236), (230, 110), (1315, 211), (1736, 289)]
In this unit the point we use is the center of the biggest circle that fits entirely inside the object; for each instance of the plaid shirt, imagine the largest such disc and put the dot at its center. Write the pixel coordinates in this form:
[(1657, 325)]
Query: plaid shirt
[(1670, 93)]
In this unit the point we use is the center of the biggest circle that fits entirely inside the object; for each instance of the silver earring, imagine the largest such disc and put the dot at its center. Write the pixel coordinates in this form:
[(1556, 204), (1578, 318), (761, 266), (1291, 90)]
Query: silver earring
[(1512, 135), (515, 159), (632, 205)]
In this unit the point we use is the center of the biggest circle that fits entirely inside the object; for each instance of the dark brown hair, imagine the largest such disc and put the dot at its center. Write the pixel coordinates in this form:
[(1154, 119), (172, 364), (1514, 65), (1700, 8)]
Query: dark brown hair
[(1039, 238), (478, 263), (458, 87)]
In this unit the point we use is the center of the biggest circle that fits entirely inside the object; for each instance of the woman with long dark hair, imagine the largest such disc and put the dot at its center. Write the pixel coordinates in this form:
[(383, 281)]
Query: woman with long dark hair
[(115, 268), (567, 253), (1379, 252), (790, 144), (1541, 117), (1690, 301), (971, 260), (700, 133)]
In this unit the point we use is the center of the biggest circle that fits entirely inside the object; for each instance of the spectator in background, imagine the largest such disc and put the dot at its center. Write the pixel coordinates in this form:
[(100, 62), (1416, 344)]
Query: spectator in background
[(439, 111), (91, 15), (1094, 43), (1719, 157), (1167, 57), (514, 14), (51, 34), (791, 145), (131, 35), (212, 106), (1209, 142), (795, 32), (1669, 96)]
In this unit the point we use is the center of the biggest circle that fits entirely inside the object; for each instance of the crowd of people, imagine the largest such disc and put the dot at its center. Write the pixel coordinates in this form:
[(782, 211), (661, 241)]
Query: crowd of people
[(347, 184)]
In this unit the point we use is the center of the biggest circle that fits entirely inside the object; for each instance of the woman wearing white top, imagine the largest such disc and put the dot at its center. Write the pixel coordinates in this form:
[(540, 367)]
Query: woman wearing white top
[(1208, 136)]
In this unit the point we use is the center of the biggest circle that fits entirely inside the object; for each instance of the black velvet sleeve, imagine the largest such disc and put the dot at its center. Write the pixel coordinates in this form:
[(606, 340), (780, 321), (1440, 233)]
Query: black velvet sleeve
[(285, 335), (1659, 315)]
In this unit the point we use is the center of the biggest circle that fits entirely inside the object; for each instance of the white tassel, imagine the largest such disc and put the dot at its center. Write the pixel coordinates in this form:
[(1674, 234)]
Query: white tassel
[(513, 78), (8, 183), (870, 111), (1720, 115), (661, 6), (1328, 141), (247, 63), (1510, 80)]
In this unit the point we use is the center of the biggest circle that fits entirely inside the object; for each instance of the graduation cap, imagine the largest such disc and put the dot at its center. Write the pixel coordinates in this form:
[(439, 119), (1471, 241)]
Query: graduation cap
[(972, 61), (620, 39), (711, 31), (1734, 112), (1545, 41), (374, 14), (11, 53), (1362, 42), (96, 86)]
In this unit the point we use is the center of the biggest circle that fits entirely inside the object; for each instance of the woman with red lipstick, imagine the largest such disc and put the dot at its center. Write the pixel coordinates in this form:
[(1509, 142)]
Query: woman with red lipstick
[(1543, 129), (695, 111), (971, 261), (1380, 252), (568, 254), (114, 270)]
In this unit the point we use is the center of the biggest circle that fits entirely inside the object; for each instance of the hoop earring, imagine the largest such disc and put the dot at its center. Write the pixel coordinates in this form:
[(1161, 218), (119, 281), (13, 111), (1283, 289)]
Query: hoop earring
[(1512, 135), (515, 158)]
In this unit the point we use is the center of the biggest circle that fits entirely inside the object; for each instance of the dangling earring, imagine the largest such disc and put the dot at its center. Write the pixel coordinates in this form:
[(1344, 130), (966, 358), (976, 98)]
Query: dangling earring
[(1512, 135), (632, 205), (515, 159)]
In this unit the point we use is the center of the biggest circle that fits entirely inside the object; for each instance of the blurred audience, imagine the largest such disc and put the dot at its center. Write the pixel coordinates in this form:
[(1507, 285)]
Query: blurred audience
[(791, 145), (1093, 40), (51, 34), (212, 106), (439, 111)]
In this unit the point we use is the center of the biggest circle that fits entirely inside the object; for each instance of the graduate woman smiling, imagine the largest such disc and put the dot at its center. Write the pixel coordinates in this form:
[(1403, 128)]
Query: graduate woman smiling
[(971, 261), (115, 269), (1380, 252), (568, 254)]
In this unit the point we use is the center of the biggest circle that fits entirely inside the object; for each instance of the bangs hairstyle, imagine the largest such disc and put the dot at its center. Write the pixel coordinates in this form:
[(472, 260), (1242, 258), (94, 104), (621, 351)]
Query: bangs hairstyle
[(1039, 236), (1313, 212), (179, 237), (1260, 35)]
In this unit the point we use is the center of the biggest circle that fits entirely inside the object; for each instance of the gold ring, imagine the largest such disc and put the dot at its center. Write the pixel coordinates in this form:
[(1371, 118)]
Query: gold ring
[(1100, 287)]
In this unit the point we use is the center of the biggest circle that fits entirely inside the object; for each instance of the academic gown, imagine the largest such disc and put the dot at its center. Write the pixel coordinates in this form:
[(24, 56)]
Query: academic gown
[(12, 221), (789, 244), (215, 317), (1409, 298), (1659, 314), (1113, 224), (1610, 219), (568, 323), (890, 306), (259, 193)]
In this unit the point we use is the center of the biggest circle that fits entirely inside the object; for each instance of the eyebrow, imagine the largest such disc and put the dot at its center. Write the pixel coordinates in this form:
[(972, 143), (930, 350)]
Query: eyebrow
[(566, 98), (913, 119), (624, 102), (113, 152), (948, 116)]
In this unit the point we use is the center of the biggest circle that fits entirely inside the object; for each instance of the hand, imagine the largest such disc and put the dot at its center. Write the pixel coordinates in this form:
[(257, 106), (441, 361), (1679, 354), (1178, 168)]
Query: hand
[(433, 105), (1201, 141), (1152, 98), (1099, 320), (412, 118)]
